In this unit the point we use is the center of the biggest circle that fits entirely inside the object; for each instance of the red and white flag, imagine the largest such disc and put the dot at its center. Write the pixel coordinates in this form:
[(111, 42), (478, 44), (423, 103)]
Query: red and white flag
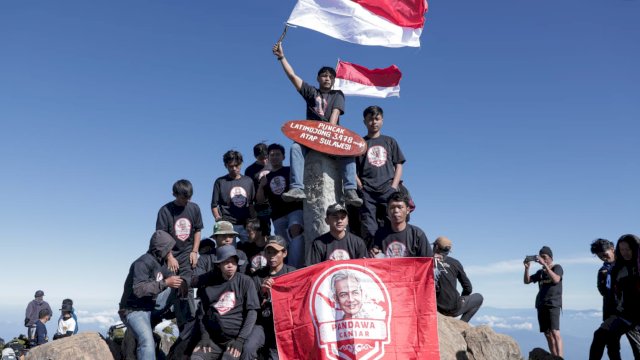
[(391, 23), (354, 79), (357, 309)]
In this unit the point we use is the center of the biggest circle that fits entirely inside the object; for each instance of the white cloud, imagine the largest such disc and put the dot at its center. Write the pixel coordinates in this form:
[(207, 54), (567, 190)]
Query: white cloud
[(515, 266), (587, 314), (511, 322), (104, 318)]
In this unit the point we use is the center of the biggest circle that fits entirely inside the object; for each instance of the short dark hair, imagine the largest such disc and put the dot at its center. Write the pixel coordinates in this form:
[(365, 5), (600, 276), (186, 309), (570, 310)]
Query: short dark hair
[(43, 313), (328, 69), (260, 149), (373, 110), (398, 196), (275, 146), (254, 225), (183, 188), (601, 245), (231, 156)]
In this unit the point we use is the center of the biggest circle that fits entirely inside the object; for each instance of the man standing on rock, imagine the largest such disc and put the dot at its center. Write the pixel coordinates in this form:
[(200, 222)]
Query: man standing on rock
[(549, 298), (32, 313), (323, 104)]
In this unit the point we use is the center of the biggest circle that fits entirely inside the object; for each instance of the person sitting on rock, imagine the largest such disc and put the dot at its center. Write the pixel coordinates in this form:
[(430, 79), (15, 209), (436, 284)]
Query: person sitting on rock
[(146, 279), (40, 336), (230, 303), (399, 238), (338, 243), (323, 104), (450, 271), (66, 323)]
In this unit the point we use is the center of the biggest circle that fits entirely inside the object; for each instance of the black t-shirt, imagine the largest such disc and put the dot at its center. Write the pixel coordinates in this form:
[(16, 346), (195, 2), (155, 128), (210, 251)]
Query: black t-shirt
[(226, 304), (549, 294), (319, 104), (376, 167), (255, 254), (448, 298), (233, 197), (326, 247), (182, 222), (253, 171), (277, 183), (410, 242)]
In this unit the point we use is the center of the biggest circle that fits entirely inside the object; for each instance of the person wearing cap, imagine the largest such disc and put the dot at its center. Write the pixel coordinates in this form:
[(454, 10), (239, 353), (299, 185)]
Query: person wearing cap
[(66, 323), (33, 309), (233, 195), (286, 216), (224, 234), (399, 238), (549, 298), (338, 243), (146, 279), (276, 252), (230, 303), (450, 271)]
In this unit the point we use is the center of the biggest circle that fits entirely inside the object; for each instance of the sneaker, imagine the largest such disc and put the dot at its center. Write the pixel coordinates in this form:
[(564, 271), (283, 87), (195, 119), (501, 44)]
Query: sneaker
[(294, 194), (351, 198)]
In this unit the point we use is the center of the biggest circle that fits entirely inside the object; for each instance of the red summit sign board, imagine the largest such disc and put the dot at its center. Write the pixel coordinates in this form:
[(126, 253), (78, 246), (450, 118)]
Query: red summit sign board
[(325, 137), (357, 309)]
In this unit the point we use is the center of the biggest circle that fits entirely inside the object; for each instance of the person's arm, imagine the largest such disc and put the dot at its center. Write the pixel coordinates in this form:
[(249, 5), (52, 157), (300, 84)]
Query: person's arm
[(144, 285), (314, 256), (193, 256), (397, 176), (335, 116), (215, 201), (423, 243), (41, 336), (467, 289), (527, 278), (260, 197), (278, 51), (601, 281), (555, 277)]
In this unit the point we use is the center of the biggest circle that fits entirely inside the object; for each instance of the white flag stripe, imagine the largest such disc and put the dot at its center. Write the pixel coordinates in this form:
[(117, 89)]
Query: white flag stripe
[(346, 20), (353, 88)]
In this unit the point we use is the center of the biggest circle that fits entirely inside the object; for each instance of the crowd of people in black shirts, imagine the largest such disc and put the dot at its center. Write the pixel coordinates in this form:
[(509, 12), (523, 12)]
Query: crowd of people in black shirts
[(218, 288)]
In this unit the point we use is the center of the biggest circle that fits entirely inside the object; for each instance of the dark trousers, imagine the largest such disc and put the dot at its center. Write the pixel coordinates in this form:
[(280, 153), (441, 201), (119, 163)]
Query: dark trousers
[(371, 202), (249, 350), (608, 335), (470, 306)]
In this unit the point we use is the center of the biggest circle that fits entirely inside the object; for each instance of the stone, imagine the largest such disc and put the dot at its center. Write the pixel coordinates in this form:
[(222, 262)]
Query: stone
[(83, 346), (323, 187), (541, 354), (460, 341)]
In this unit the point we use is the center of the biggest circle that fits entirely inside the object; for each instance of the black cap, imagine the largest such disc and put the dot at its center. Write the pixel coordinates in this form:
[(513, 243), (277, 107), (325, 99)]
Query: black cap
[(336, 208), (546, 251), (39, 293)]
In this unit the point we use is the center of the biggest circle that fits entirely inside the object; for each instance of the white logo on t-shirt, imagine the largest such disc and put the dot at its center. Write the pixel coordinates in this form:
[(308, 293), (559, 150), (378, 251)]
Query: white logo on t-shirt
[(339, 254), (396, 249), (182, 228), (277, 185), (258, 262), (377, 156), (226, 302), (238, 196)]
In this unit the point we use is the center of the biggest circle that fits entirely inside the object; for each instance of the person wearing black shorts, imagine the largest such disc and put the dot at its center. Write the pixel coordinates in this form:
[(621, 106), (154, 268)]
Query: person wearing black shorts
[(549, 298)]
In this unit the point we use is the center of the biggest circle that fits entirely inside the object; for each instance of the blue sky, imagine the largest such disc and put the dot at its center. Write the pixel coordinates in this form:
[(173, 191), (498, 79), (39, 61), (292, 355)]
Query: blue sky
[(519, 121)]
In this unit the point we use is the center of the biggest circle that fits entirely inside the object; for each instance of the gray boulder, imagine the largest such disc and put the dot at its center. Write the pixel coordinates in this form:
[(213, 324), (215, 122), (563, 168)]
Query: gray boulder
[(83, 346)]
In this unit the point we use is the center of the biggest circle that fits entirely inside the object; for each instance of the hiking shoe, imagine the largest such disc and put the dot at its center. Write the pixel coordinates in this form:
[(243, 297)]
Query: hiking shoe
[(351, 198), (294, 194)]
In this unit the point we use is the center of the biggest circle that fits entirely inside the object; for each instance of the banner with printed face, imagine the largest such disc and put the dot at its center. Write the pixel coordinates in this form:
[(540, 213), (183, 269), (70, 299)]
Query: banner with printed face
[(357, 309)]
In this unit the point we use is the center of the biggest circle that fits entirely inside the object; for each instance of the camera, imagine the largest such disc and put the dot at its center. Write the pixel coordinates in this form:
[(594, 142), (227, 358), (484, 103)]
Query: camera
[(530, 258)]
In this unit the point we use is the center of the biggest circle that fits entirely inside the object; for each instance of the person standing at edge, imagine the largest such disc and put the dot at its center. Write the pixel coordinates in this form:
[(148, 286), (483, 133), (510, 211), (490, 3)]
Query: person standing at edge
[(323, 104), (549, 298)]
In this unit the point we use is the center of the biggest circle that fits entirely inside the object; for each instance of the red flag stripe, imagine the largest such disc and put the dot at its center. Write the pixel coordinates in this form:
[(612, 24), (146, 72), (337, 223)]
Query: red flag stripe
[(405, 13), (387, 77)]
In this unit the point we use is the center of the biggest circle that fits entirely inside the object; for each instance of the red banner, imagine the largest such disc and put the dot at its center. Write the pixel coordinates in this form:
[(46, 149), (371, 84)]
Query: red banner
[(357, 309)]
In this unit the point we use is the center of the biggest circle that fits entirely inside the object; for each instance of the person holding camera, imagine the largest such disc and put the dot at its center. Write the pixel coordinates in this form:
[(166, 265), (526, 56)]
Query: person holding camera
[(549, 298), (450, 271)]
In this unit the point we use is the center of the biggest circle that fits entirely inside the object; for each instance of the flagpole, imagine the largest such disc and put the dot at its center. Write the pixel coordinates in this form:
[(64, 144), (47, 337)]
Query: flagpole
[(286, 26)]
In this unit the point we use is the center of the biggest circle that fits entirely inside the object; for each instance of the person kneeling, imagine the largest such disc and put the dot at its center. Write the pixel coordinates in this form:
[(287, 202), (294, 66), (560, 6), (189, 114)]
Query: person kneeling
[(230, 303)]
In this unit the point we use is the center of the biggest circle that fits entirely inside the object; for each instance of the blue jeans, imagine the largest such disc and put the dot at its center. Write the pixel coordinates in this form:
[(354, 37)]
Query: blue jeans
[(243, 236), (140, 323), (298, 153)]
